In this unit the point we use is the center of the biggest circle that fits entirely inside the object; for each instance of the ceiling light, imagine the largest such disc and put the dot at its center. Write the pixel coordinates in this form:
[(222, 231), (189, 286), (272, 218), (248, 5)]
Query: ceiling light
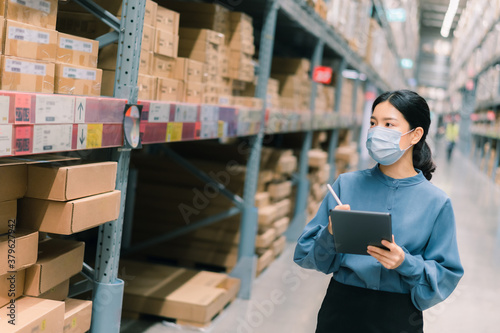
[(448, 18)]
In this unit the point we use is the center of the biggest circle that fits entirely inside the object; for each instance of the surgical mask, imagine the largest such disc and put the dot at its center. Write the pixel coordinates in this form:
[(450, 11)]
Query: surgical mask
[(383, 145)]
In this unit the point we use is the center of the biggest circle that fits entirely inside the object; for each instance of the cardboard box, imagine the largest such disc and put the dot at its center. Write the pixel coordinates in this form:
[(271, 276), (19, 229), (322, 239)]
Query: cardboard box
[(279, 191), (57, 293), (193, 92), (28, 41), (11, 286), (167, 20), (58, 260), (163, 66), (108, 83), (147, 87), (77, 315), (202, 35), (172, 292), (77, 80), (150, 13), (77, 50), (2, 26), (8, 214), (34, 315), (26, 250), (40, 13), (188, 70), (201, 15), (21, 74), (66, 181), (14, 180), (148, 37), (166, 43), (169, 90), (66, 218)]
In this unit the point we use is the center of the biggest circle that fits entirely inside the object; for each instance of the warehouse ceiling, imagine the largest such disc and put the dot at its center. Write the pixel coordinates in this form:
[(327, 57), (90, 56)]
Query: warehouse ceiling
[(433, 12)]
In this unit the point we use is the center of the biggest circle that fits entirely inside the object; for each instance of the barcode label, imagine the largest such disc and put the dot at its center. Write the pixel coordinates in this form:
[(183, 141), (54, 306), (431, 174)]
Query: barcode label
[(76, 45), (40, 5), (28, 35), (24, 67), (78, 73)]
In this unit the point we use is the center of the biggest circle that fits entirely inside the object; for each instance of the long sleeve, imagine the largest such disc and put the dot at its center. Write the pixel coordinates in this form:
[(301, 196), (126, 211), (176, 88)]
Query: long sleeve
[(315, 247), (435, 274)]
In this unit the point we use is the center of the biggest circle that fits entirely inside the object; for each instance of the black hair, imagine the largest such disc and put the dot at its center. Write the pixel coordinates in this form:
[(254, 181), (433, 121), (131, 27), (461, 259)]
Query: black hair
[(416, 112)]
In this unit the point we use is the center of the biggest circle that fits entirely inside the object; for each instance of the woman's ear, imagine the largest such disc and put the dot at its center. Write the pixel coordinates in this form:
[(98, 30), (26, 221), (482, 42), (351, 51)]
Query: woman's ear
[(417, 135)]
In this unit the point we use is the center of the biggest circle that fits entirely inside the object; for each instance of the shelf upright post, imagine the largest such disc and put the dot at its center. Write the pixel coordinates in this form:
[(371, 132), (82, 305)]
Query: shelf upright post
[(108, 289), (488, 154), (496, 162), (469, 102), (299, 217), (334, 133), (246, 267)]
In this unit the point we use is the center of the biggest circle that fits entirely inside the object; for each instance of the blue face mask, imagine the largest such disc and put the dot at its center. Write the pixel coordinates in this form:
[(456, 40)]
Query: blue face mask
[(383, 145)]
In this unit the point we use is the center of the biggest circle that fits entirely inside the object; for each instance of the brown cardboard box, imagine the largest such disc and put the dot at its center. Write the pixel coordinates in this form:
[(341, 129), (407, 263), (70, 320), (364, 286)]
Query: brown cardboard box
[(188, 70), (11, 286), (146, 63), (58, 260), (166, 43), (42, 13), (77, 80), (169, 90), (167, 20), (8, 214), (66, 218), (108, 83), (148, 37), (34, 315), (28, 41), (21, 74), (66, 181), (163, 66), (57, 293), (150, 13), (2, 26), (14, 179), (193, 92), (77, 315), (77, 50), (177, 292), (202, 35), (147, 87), (26, 250)]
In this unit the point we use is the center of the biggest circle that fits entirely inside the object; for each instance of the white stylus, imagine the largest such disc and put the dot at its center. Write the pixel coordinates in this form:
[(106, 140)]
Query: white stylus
[(334, 194)]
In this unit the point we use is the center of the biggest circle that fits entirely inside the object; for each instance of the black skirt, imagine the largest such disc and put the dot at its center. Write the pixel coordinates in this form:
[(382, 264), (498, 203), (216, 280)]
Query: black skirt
[(348, 309)]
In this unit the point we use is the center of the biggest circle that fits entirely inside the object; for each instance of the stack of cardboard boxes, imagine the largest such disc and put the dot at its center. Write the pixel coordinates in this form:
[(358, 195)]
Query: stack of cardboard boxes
[(325, 98), (319, 172), (294, 82), (36, 58)]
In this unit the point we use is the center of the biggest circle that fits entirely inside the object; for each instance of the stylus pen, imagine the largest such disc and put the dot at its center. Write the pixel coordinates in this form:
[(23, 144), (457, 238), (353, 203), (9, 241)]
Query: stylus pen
[(334, 194)]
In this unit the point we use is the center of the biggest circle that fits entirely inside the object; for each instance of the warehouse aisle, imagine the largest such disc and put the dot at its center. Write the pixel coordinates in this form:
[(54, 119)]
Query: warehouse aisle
[(287, 298)]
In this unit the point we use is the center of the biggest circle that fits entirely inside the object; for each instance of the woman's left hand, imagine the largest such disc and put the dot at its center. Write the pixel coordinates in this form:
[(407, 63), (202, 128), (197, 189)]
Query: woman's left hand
[(391, 258)]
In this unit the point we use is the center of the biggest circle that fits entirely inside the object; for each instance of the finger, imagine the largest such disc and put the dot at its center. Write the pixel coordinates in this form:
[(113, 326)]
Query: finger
[(378, 250), (389, 245)]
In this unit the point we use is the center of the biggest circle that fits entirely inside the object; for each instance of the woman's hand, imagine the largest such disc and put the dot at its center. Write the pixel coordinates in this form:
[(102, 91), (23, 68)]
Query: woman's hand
[(339, 207), (389, 259)]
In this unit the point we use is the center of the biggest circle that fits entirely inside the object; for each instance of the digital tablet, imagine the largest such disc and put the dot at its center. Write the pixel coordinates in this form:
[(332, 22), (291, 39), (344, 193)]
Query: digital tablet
[(354, 230)]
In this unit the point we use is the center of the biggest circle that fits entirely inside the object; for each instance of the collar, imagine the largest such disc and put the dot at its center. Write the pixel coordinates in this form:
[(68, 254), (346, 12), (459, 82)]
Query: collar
[(392, 182)]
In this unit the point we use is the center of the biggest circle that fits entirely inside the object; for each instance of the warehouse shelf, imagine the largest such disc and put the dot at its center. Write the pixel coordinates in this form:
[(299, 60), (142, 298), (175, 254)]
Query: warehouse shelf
[(489, 104)]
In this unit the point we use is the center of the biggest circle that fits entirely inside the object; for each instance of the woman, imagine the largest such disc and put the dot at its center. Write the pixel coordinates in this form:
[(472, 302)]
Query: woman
[(387, 290)]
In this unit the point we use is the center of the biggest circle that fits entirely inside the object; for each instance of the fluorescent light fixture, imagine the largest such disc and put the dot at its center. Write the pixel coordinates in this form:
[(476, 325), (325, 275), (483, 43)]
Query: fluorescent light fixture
[(448, 18)]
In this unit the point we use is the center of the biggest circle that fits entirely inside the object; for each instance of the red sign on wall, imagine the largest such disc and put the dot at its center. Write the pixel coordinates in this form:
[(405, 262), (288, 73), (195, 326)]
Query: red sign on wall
[(322, 74)]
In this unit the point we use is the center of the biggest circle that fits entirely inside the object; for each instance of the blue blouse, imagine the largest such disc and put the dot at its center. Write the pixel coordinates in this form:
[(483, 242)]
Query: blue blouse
[(423, 225)]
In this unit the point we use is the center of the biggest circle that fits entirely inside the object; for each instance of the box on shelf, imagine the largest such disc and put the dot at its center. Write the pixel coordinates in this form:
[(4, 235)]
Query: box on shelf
[(34, 315), (188, 70), (14, 179), (166, 43), (147, 85), (27, 41), (77, 315), (65, 181), (108, 82), (169, 90), (193, 92), (167, 20), (58, 260), (148, 37), (200, 36), (26, 75), (77, 80), (8, 214), (11, 286), (41, 13), (68, 217), (163, 66), (77, 50), (57, 293), (26, 247)]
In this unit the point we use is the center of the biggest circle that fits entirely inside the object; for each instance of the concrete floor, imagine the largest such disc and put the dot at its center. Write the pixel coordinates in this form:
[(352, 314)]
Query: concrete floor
[(473, 307)]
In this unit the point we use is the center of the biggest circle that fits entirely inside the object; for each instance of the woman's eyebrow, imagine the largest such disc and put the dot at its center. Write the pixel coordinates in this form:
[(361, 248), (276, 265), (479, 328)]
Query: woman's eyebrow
[(387, 118)]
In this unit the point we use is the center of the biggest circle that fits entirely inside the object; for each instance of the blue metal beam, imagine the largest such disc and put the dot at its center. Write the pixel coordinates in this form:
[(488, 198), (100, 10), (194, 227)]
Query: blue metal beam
[(102, 14), (80, 287), (128, 219), (106, 39)]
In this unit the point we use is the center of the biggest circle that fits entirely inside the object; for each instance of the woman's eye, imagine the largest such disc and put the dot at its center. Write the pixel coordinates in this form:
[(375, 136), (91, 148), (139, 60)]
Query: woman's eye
[(388, 125), (372, 123)]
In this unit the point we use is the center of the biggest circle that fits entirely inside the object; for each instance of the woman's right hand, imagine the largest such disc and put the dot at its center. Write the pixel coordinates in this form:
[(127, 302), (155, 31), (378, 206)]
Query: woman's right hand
[(339, 207)]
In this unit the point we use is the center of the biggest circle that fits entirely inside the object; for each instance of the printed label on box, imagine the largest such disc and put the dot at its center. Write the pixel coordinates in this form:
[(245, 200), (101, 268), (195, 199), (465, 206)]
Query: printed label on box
[(28, 35), (40, 5), (23, 139), (209, 130), (80, 108), (159, 112), (94, 135), (4, 109), (81, 139), (79, 73), (24, 67), (48, 138), (174, 132), (23, 108), (209, 113), (186, 113), (5, 140), (75, 45), (54, 109)]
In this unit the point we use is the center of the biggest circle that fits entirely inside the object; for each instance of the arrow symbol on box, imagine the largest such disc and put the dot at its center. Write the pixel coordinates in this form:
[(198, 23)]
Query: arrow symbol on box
[(80, 108), (82, 138)]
